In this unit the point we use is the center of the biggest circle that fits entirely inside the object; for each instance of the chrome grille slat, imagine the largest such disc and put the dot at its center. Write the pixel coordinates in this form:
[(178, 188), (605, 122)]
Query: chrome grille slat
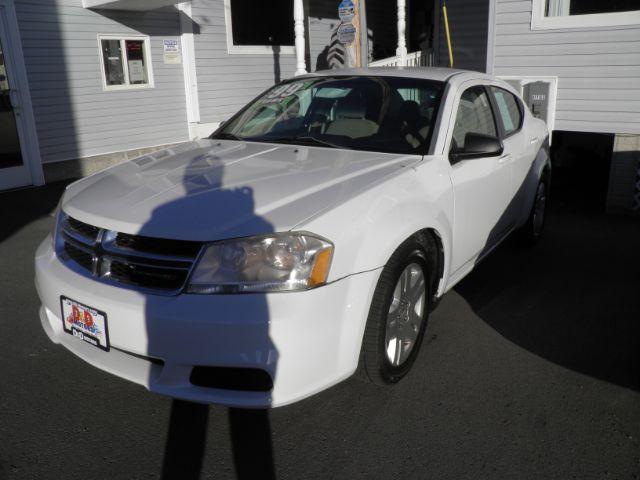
[(133, 261), (88, 248), (156, 246), (89, 232), (97, 252), (74, 237)]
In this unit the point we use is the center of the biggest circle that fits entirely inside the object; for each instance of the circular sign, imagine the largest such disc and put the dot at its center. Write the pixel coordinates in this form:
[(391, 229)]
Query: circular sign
[(346, 10), (346, 33)]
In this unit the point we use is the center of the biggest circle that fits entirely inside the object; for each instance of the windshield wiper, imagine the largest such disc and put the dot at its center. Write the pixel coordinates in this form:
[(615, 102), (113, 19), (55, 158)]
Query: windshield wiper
[(303, 140), (228, 136), (308, 140)]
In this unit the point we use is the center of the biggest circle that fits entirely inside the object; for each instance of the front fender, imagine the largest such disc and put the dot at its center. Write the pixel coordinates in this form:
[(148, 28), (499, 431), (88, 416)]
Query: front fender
[(367, 229)]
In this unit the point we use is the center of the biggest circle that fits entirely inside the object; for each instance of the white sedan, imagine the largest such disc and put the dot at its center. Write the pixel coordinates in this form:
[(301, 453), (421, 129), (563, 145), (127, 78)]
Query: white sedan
[(308, 238)]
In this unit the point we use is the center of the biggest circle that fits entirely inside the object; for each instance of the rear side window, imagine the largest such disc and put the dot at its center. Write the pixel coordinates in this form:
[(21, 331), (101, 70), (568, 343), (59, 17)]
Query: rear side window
[(474, 116), (509, 110)]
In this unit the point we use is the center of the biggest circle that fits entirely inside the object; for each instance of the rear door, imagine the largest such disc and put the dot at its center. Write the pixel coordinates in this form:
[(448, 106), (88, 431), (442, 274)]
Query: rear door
[(482, 186)]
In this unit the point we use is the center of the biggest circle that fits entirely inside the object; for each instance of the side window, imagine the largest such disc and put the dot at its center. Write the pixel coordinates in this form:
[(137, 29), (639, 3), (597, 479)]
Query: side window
[(509, 108), (474, 116)]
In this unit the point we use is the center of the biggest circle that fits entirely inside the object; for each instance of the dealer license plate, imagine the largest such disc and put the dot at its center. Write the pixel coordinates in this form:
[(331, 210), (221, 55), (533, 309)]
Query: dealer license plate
[(85, 323)]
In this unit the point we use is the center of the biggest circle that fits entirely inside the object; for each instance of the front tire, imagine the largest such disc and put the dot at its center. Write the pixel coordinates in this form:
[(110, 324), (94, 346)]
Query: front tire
[(397, 317)]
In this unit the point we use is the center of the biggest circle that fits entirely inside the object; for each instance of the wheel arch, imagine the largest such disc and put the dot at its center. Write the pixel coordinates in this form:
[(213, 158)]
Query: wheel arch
[(540, 167), (431, 239), (434, 236), (434, 250)]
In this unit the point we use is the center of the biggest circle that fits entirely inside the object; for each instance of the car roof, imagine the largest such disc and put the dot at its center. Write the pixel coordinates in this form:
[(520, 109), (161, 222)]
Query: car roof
[(428, 73)]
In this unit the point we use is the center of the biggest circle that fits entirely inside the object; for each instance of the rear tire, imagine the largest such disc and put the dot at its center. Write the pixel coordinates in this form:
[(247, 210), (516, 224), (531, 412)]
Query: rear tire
[(532, 230), (397, 317)]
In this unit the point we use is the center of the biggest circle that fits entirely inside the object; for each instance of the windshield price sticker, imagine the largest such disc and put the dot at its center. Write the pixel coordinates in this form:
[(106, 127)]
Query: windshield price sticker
[(346, 10), (282, 92), (346, 33)]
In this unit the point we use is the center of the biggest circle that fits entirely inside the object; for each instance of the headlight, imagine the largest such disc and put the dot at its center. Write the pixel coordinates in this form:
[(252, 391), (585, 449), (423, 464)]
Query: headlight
[(270, 263), (58, 218)]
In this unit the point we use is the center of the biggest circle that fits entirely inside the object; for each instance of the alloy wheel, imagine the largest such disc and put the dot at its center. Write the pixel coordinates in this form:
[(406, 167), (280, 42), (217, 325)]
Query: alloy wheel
[(406, 314)]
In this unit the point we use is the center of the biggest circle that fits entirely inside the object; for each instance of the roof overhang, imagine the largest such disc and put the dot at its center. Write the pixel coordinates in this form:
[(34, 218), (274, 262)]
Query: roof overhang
[(137, 5)]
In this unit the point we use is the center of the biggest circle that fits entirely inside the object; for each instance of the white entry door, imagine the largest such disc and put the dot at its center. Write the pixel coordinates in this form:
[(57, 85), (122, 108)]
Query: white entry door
[(19, 166)]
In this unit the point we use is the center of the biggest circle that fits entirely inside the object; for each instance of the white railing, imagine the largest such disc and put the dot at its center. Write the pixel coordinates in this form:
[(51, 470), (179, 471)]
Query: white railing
[(423, 58)]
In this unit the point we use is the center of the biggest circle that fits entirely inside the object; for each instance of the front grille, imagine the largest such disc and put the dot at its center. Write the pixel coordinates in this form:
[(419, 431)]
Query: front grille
[(133, 261)]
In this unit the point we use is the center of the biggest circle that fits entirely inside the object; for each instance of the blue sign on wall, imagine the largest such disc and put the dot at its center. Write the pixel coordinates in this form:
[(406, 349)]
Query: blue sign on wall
[(346, 10)]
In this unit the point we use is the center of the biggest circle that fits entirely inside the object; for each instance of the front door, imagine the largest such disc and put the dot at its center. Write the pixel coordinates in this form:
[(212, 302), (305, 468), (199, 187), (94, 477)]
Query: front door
[(14, 171), (482, 186)]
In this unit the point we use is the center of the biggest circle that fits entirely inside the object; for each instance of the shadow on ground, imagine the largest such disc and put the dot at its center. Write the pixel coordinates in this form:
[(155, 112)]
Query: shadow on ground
[(573, 299), (24, 206), (251, 444)]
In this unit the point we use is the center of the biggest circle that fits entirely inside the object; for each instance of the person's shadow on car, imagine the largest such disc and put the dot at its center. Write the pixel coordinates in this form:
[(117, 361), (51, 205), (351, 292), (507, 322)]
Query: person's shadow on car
[(186, 188)]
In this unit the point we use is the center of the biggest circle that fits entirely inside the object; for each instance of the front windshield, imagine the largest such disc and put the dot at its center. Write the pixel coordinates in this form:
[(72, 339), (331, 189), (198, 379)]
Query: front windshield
[(383, 114)]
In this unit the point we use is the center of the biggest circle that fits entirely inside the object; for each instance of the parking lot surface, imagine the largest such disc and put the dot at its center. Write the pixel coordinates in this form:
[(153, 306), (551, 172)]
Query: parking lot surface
[(530, 369)]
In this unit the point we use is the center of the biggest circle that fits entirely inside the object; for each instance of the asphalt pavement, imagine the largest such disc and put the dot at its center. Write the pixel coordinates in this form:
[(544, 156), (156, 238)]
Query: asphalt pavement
[(530, 369)]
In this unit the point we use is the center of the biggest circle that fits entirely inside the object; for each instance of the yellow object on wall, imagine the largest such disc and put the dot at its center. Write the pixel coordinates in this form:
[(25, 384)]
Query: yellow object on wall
[(448, 32)]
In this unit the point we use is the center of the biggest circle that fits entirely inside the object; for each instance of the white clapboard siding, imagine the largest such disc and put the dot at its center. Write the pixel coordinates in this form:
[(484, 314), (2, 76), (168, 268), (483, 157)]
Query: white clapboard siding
[(598, 68), (75, 118), (244, 76)]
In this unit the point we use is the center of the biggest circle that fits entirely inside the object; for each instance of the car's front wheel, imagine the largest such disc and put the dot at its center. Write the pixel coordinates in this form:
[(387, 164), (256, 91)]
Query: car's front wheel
[(398, 316)]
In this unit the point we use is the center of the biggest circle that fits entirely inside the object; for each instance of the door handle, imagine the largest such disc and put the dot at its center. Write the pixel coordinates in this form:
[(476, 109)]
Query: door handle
[(14, 100), (504, 158), (533, 140)]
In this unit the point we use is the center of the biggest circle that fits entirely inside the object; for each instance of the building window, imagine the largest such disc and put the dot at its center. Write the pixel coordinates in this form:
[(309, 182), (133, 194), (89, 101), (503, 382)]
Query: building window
[(559, 8), (257, 26), (126, 62), (550, 14)]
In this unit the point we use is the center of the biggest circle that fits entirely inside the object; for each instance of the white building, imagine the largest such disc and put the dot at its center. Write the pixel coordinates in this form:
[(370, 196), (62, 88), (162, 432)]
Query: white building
[(86, 83)]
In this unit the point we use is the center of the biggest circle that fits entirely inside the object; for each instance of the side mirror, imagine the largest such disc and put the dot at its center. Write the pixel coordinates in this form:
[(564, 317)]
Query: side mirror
[(477, 145)]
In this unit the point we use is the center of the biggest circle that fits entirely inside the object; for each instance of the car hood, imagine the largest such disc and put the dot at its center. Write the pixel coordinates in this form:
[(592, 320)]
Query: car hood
[(214, 189)]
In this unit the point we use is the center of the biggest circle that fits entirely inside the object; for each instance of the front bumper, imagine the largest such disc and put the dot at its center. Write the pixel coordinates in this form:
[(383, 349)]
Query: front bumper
[(306, 341)]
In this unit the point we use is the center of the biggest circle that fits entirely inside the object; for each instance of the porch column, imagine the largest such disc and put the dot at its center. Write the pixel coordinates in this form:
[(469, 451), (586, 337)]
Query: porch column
[(298, 22), (402, 29)]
